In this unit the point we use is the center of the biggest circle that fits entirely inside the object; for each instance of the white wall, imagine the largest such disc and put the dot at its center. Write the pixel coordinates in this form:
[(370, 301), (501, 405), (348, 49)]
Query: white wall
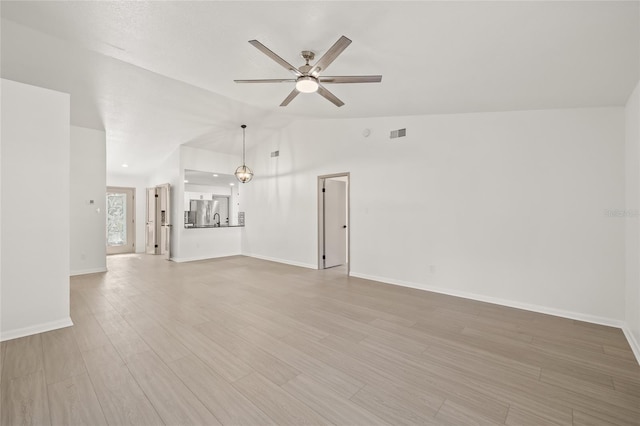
[(208, 161), (196, 244), (632, 230), (35, 215), (506, 207), (191, 244), (88, 182), (139, 183)]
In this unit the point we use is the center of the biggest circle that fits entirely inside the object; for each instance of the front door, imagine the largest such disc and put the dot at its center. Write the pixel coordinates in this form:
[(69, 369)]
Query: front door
[(120, 220)]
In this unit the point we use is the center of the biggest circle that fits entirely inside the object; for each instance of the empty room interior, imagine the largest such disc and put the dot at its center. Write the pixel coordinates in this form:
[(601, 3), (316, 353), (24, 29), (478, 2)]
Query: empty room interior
[(302, 212)]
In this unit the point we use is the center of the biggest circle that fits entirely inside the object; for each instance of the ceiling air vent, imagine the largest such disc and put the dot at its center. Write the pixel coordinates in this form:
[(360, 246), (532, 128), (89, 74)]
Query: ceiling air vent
[(400, 133)]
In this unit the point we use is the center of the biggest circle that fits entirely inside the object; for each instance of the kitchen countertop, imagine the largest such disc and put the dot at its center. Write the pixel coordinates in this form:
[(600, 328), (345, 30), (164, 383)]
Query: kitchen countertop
[(213, 226)]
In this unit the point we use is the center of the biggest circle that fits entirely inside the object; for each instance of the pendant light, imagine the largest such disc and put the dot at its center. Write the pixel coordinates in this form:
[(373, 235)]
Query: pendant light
[(243, 173)]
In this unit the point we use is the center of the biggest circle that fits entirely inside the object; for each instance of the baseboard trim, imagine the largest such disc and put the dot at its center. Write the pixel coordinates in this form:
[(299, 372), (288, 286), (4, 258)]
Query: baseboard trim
[(631, 338), (504, 302), (633, 343), (35, 329), (87, 271), (286, 262), (195, 259)]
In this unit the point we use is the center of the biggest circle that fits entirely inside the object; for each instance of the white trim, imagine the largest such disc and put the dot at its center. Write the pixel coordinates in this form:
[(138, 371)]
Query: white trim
[(287, 262), (194, 259), (631, 338), (504, 302), (87, 271), (35, 329)]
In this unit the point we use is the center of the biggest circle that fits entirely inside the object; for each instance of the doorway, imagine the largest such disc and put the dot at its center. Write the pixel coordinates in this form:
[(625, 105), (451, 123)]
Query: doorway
[(333, 221), (121, 220), (158, 223)]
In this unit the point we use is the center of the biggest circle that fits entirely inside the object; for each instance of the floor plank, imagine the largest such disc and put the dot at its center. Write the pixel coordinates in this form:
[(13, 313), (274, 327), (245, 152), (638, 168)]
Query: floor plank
[(24, 400), (333, 407), (104, 356), (581, 418), (269, 366), (112, 323), (412, 370), (429, 398), (128, 343), (456, 415), (214, 355), (283, 408), (74, 402), (122, 400), (62, 358), (220, 397), (517, 416), (175, 403), (333, 378), (22, 357), (167, 347), (88, 333), (392, 408)]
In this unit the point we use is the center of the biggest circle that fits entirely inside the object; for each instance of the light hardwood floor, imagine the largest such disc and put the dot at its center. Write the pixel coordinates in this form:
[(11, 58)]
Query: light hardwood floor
[(241, 341)]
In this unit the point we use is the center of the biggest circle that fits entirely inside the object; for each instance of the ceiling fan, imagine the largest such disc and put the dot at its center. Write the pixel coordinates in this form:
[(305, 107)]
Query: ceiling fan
[(307, 77)]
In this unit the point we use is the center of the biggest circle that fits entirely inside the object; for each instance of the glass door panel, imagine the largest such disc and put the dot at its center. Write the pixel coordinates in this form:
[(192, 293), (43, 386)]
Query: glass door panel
[(120, 220)]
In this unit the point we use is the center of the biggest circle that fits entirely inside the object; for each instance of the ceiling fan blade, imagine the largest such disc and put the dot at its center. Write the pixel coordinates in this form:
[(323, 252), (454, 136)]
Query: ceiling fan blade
[(268, 80), (330, 96), (289, 98), (351, 79), (330, 55), (264, 49)]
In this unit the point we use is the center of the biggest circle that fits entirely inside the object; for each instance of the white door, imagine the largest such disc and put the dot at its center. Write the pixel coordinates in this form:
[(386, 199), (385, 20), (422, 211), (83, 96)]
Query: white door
[(159, 220), (150, 229), (164, 218), (335, 222), (120, 220)]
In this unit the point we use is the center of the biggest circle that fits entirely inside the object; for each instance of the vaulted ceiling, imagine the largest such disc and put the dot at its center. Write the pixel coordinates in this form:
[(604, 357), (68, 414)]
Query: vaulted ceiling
[(155, 75)]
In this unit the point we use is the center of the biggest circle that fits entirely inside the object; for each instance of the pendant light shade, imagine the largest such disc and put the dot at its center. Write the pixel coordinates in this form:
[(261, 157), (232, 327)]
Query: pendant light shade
[(243, 173)]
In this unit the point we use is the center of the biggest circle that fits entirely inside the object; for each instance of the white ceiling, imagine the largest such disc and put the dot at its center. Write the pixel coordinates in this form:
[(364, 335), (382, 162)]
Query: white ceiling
[(158, 74)]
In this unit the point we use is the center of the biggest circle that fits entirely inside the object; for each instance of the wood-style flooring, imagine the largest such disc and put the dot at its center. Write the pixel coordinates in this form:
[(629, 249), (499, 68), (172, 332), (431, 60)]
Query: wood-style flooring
[(241, 341)]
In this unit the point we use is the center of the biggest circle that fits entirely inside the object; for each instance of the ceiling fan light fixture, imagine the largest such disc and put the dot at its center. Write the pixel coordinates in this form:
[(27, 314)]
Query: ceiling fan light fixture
[(307, 84), (308, 77)]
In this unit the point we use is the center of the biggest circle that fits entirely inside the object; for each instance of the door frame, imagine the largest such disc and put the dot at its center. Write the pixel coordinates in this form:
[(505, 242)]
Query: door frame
[(165, 225), (321, 218), (161, 226), (131, 227)]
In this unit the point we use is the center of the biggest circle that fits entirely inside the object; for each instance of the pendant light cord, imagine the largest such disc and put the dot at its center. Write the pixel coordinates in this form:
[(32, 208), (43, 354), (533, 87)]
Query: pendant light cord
[(244, 126)]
